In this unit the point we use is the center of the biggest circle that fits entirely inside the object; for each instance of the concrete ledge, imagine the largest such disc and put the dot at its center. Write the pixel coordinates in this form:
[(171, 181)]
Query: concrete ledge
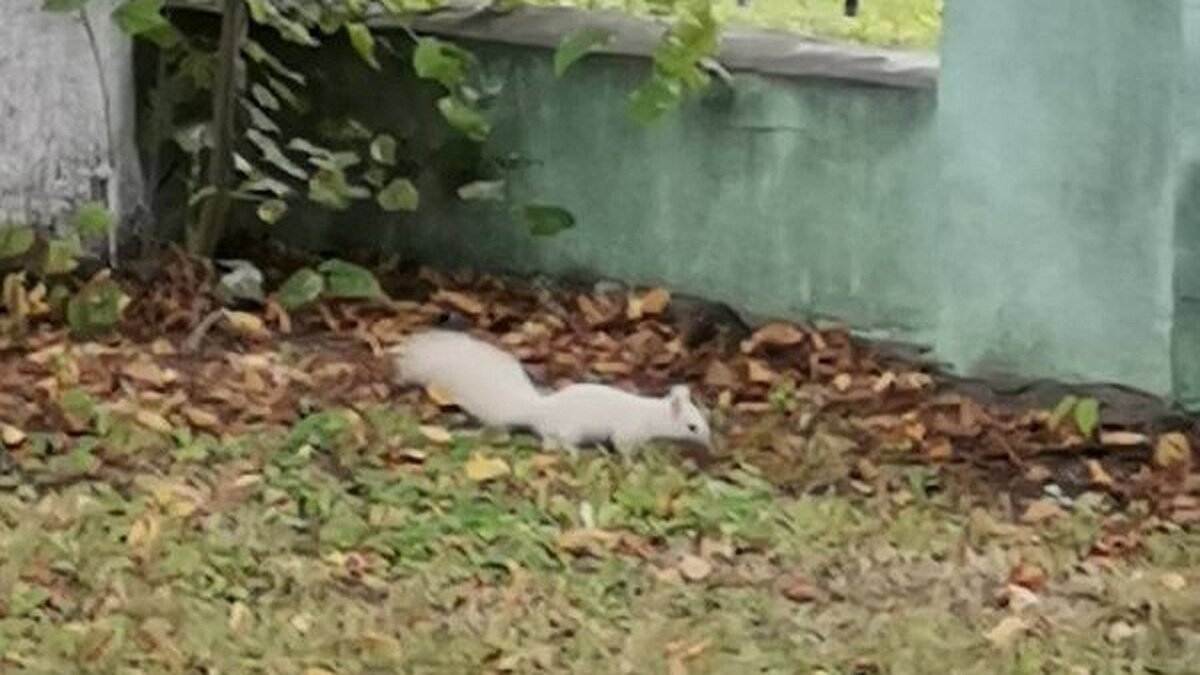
[(762, 51)]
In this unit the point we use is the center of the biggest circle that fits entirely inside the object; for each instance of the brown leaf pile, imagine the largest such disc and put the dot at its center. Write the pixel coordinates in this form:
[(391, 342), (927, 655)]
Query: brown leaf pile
[(812, 406)]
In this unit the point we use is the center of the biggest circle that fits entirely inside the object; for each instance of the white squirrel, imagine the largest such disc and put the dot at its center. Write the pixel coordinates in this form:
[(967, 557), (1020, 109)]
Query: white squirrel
[(492, 386)]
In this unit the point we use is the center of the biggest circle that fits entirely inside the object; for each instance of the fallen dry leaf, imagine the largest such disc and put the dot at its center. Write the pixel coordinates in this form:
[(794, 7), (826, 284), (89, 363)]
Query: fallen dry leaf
[(247, 324), (481, 468), (11, 436), (1041, 510), (436, 434), (149, 372), (153, 421), (720, 375), (1123, 438), (1028, 575), (776, 334), (1173, 581), (143, 533), (884, 381), (1005, 633), (1097, 475), (439, 396), (799, 589), (842, 381), (759, 373), (201, 418), (586, 541), (460, 301), (1172, 451), (655, 301), (694, 568)]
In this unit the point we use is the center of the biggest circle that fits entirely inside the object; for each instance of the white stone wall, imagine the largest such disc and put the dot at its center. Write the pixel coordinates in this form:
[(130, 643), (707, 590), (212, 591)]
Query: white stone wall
[(54, 144)]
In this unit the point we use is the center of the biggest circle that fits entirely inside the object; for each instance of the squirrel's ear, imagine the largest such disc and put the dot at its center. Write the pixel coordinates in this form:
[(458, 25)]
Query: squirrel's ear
[(679, 395)]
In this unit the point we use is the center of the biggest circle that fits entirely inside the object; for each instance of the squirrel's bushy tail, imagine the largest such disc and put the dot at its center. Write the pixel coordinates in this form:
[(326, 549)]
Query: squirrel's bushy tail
[(483, 380)]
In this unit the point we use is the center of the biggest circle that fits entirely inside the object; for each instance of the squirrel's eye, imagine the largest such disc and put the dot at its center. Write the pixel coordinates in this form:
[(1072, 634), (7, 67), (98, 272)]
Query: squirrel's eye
[(692, 428)]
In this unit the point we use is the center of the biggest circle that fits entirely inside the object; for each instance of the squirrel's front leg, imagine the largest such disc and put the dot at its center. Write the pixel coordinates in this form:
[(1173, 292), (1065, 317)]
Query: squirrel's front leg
[(625, 447)]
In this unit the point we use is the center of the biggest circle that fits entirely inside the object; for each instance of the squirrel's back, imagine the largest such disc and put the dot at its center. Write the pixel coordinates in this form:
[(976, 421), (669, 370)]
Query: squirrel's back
[(487, 382)]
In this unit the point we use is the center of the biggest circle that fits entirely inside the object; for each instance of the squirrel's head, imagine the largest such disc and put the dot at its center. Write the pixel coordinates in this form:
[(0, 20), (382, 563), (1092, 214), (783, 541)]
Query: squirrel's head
[(688, 423)]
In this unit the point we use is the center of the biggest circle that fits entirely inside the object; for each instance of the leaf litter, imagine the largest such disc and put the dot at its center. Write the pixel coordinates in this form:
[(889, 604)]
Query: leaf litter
[(224, 503)]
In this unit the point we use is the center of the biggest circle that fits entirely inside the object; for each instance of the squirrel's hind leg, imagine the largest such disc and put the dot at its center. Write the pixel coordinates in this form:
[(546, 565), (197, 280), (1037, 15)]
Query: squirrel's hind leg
[(557, 442)]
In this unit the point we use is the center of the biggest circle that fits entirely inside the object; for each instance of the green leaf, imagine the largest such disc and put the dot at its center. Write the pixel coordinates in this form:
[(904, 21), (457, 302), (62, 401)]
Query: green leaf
[(16, 241), (347, 280), (92, 219), (399, 195), (272, 210), (482, 191), (654, 98), (329, 186), (96, 307), (383, 149), (272, 154), (23, 598), (363, 42), (576, 45), (78, 407), (136, 17), (259, 119), (1087, 416), (464, 118), (61, 256), (263, 96), (1064, 408), (546, 220), (300, 289), (63, 5), (434, 59)]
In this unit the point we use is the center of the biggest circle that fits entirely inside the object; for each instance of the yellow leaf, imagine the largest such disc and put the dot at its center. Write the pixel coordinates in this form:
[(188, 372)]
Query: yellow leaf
[(143, 533), (655, 301), (1172, 450), (843, 381), (436, 434), (1005, 633), (481, 468), (247, 324), (12, 436)]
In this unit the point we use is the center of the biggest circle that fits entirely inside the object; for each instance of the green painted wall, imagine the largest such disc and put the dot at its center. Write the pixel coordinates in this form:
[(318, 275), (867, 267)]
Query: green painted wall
[(1186, 326), (1022, 218), (1057, 134)]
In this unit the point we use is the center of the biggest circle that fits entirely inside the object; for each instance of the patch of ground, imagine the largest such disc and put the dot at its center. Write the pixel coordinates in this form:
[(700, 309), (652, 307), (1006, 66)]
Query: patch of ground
[(267, 502)]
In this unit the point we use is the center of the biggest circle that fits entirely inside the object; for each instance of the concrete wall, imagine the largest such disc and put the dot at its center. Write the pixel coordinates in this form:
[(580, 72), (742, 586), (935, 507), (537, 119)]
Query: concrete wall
[(1057, 132), (54, 145), (1036, 213)]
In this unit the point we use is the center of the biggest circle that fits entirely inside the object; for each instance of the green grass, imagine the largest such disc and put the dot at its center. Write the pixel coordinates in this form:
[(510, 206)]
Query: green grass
[(352, 544), (903, 23)]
